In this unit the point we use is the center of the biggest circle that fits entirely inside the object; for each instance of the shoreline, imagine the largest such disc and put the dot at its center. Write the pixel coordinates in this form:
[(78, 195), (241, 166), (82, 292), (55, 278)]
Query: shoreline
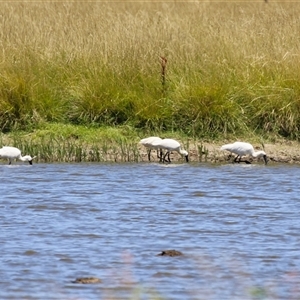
[(283, 152), (76, 144)]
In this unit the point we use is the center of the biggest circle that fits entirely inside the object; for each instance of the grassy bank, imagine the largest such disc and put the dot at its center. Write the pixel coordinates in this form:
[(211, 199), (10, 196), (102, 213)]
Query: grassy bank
[(231, 69), (57, 142), (69, 143)]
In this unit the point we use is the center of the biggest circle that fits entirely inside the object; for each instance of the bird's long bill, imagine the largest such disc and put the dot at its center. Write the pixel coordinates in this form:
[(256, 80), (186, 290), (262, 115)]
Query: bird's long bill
[(187, 158), (265, 159)]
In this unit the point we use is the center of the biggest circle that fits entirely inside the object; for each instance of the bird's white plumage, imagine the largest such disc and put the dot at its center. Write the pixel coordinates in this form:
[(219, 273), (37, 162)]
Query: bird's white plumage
[(170, 145), (12, 153), (243, 149), (149, 143)]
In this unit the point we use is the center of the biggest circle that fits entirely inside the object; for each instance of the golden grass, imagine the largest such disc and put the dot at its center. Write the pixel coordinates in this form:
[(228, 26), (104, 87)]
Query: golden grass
[(139, 31), (230, 65)]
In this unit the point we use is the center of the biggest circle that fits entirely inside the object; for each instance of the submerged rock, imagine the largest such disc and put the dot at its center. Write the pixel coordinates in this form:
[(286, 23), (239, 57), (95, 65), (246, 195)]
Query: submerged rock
[(170, 253), (86, 280)]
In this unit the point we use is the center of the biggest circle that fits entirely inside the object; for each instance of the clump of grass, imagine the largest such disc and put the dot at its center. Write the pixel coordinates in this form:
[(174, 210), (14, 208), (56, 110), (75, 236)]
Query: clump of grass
[(76, 144), (202, 151)]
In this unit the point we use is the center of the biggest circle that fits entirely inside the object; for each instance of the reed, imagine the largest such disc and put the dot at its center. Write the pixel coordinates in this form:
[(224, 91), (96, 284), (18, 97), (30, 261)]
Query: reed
[(202, 151), (205, 69), (76, 144)]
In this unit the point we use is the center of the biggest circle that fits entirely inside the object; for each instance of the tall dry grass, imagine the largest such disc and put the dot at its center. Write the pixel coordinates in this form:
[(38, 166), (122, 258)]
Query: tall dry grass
[(231, 67)]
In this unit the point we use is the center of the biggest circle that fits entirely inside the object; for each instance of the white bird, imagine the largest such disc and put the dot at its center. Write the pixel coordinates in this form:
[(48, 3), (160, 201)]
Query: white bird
[(148, 143), (12, 153), (242, 149), (171, 145)]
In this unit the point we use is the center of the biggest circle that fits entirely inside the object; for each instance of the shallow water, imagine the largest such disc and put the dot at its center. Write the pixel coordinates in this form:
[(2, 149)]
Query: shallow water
[(237, 226)]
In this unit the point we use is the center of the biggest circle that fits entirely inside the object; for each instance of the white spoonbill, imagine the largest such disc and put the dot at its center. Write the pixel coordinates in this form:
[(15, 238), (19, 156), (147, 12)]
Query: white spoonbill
[(171, 145), (148, 143), (242, 149), (12, 153)]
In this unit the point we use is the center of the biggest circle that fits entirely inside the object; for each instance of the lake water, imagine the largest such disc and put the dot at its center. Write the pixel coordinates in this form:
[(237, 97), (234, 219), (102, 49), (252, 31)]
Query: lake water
[(237, 226)]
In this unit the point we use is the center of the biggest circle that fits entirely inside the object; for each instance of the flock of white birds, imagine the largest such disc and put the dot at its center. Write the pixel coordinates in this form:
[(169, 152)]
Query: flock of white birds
[(239, 148), (154, 142), (168, 145)]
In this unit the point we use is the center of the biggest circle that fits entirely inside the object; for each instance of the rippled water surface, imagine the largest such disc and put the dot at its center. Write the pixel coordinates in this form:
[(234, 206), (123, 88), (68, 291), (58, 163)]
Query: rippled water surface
[(238, 227)]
